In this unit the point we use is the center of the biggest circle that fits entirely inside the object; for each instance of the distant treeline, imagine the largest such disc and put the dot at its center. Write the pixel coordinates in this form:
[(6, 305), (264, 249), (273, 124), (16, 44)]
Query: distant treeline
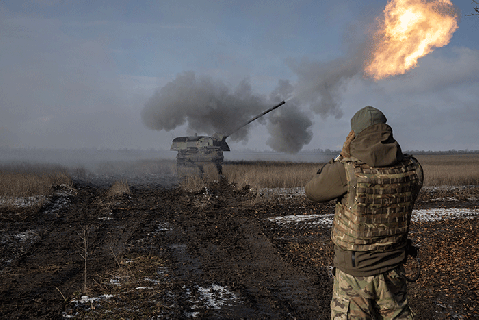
[(244, 150), (422, 152)]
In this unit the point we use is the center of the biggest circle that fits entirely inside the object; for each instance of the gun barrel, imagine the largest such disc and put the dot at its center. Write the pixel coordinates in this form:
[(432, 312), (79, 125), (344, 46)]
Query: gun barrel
[(258, 116)]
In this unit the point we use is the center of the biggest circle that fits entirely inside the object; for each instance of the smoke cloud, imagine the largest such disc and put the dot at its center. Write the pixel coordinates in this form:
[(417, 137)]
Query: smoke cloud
[(289, 127), (289, 130), (320, 84), (208, 106)]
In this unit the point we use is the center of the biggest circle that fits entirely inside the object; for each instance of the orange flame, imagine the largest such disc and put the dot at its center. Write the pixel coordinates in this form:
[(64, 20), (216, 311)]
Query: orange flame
[(410, 30)]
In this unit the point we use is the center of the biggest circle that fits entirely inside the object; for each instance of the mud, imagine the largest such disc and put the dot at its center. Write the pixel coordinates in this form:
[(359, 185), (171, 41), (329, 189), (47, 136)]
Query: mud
[(164, 253)]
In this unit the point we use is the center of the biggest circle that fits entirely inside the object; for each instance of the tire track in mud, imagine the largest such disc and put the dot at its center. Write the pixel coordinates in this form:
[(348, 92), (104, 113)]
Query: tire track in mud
[(39, 281), (52, 267), (217, 241), (219, 244)]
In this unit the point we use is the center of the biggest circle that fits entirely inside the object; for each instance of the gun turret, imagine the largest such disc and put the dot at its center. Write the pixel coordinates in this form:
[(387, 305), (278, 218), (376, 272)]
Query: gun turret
[(253, 119), (196, 151)]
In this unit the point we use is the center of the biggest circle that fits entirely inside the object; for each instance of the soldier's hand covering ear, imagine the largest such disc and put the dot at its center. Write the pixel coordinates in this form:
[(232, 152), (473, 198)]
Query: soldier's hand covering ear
[(346, 152)]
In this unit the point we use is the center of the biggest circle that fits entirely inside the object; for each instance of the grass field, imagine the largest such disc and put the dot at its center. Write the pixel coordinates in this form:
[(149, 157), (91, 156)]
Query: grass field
[(450, 170), (128, 235), (26, 180), (29, 181), (439, 170)]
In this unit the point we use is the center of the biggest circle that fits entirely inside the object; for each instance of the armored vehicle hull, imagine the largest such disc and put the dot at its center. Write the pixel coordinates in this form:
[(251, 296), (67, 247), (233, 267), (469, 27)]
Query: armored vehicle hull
[(194, 153), (197, 152)]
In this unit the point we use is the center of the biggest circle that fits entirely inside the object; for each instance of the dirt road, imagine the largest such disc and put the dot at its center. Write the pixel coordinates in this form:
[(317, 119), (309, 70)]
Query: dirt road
[(217, 254)]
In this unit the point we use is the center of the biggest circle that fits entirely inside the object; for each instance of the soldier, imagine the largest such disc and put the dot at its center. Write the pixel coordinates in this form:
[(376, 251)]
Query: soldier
[(375, 185)]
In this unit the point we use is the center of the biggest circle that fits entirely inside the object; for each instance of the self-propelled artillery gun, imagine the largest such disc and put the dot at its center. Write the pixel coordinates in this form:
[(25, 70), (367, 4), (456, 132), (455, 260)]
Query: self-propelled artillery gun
[(196, 152)]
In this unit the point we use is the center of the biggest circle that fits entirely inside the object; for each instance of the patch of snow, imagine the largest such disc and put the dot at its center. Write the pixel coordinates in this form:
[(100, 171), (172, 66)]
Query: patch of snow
[(87, 299), (58, 204), (450, 199), (448, 188), (163, 271), (309, 219), (105, 218), (214, 297), (21, 202), (297, 191), (156, 282), (27, 235), (422, 215), (164, 226), (450, 310), (115, 282), (437, 214), (192, 314)]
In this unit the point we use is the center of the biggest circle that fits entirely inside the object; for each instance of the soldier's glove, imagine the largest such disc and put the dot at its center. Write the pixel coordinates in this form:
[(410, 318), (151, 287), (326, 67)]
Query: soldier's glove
[(346, 152), (411, 250)]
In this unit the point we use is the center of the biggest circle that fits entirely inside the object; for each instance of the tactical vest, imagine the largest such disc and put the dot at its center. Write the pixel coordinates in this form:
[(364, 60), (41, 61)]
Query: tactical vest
[(375, 213)]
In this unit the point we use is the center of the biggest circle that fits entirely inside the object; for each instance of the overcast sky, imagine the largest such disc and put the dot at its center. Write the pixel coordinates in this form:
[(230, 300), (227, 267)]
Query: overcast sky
[(129, 74)]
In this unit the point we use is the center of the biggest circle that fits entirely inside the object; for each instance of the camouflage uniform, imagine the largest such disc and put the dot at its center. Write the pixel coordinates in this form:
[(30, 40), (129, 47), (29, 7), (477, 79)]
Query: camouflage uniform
[(376, 186), (374, 215), (353, 296)]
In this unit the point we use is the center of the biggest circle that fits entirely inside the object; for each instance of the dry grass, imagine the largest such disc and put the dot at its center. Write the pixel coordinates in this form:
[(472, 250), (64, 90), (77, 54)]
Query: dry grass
[(257, 175), (119, 188), (191, 180), (24, 180), (450, 170), (439, 170), (137, 289), (270, 174)]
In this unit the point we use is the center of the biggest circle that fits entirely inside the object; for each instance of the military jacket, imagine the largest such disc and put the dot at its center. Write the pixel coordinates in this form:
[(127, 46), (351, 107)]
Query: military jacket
[(375, 213)]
